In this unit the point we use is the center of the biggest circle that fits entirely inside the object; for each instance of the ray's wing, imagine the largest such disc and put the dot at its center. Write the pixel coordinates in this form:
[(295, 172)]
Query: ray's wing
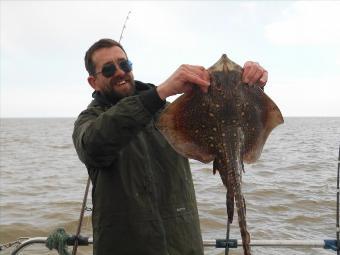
[(245, 106), (186, 122), (182, 125)]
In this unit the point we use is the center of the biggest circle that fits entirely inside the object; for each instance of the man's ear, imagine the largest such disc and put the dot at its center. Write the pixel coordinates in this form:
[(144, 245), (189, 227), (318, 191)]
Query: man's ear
[(92, 81)]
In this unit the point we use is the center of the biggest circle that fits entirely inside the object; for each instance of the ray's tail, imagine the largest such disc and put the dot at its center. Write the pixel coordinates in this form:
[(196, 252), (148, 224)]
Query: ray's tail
[(237, 171), (241, 212), (230, 167), (234, 194)]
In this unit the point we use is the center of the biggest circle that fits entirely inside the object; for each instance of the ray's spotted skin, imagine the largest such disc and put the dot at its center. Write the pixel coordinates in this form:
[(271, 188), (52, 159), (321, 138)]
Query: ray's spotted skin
[(228, 125)]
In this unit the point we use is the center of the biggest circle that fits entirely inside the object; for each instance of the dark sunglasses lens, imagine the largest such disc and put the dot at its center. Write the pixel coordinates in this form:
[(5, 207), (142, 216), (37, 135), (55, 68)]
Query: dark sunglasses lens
[(108, 70), (126, 66)]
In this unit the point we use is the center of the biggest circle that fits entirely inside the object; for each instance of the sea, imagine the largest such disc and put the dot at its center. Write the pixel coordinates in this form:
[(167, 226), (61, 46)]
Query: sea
[(290, 192)]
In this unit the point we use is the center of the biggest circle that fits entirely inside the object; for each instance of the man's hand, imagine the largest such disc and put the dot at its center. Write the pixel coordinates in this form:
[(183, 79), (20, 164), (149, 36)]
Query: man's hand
[(254, 74), (182, 80), (186, 76)]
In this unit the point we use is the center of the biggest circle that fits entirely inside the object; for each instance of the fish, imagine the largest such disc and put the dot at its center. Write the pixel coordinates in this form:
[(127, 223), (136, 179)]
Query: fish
[(228, 125)]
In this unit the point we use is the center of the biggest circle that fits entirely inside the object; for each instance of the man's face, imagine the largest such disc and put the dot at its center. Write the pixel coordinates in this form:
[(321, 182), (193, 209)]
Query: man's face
[(120, 84)]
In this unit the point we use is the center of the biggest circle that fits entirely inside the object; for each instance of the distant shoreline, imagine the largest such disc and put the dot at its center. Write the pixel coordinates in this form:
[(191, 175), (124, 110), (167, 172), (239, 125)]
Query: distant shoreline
[(1, 118)]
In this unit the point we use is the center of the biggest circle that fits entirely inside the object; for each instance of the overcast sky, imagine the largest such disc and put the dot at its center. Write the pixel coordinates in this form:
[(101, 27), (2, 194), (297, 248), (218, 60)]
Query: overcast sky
[(43, 46)]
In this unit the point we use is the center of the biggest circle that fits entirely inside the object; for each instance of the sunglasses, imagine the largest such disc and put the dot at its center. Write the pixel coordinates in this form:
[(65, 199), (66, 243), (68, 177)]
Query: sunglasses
[(110, 69)]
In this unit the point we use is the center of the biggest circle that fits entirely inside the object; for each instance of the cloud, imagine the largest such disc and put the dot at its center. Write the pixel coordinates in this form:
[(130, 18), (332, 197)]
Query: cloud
[(307, 23), (337, 60), (43, 43), (306, 96), (57, 26)]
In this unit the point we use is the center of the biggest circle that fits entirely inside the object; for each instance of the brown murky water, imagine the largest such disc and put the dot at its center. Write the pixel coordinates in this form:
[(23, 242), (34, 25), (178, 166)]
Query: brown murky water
[(290, 192)]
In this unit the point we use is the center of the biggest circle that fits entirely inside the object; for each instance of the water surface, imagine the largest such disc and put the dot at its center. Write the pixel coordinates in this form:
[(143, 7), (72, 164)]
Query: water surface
[(290, 192)]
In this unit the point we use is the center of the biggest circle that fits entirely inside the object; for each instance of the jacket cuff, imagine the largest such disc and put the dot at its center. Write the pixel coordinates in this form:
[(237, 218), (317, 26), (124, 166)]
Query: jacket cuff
[(151, 100)]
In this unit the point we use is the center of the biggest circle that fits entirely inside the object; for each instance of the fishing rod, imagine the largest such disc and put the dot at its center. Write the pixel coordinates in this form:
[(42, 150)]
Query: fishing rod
[(76, 242), (124, 26), (80, 223), (337, 206), (226, 250)]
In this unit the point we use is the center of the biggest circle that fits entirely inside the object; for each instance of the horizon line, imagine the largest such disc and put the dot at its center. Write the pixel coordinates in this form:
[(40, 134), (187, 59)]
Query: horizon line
[(70, 117)]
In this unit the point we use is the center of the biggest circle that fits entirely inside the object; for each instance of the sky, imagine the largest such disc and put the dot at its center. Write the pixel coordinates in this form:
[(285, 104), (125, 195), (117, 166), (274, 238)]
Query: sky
[(43, 43)]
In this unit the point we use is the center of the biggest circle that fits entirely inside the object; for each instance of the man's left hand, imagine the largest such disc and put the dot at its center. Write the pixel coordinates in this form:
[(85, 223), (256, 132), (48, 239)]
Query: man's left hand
[(254, 74)]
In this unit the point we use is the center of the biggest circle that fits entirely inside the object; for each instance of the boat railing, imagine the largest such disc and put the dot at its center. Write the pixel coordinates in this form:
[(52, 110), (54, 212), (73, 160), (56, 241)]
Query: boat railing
[(330, 244)]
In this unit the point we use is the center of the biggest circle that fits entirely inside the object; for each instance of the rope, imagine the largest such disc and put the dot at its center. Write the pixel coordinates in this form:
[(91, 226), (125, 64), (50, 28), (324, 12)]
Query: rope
[(13, 243), (58, 240)]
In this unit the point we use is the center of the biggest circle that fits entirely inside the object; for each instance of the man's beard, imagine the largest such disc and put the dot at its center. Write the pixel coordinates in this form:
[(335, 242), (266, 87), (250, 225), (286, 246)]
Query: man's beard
[(111, 93)]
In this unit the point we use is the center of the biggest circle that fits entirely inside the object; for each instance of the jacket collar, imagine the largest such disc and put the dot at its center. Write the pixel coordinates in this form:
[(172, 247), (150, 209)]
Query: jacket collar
[(101, 99)]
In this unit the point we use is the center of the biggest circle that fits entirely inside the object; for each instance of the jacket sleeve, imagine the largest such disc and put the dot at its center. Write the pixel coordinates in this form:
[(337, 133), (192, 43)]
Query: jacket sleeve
[(99, 135)]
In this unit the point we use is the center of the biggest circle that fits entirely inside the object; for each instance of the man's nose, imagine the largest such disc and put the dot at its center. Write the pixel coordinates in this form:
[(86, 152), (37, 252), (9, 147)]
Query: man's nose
[(119, 72)]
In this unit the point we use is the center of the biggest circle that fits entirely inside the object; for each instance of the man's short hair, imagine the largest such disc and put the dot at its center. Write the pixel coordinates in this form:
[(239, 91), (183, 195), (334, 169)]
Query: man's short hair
[(102, 43)]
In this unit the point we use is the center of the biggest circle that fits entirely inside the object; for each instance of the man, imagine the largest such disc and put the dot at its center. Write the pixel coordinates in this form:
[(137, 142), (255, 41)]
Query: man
[(143, 194)]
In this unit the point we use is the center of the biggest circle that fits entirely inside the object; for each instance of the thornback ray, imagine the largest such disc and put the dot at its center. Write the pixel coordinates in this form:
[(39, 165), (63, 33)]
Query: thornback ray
[(227, 125)]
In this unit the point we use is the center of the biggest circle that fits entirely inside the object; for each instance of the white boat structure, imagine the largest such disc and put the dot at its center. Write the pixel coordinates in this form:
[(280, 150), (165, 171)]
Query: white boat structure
[(331, 245)]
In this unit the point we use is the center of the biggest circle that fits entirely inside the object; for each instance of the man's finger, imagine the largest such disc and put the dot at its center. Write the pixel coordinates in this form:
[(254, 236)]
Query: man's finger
[(198, 70), (256, 77), (195, 79), (263, 80), (249, 70)]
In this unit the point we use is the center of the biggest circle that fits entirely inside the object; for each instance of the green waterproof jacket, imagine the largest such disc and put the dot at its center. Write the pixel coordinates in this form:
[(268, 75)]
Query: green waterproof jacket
[(143, 194)]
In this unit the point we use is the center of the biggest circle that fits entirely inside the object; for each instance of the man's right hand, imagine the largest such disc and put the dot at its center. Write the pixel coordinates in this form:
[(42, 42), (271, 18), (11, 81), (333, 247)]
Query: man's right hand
[(182, 80)]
